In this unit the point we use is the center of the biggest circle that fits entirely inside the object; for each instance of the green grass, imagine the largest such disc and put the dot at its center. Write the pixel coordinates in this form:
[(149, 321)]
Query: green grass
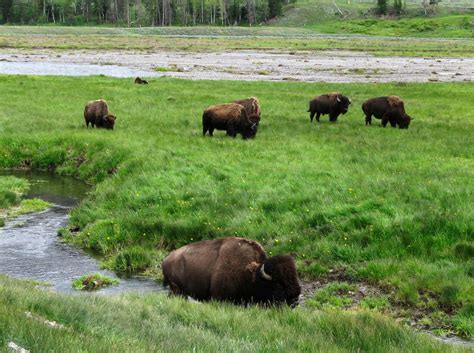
[(387, 206), (154, 322), (452, 26), (359, 18), (93, 281), (11, 190), (11, 204), (212, 39)]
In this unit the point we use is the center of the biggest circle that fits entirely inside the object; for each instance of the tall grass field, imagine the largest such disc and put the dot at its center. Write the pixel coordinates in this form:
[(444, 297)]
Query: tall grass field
[(387, 207)]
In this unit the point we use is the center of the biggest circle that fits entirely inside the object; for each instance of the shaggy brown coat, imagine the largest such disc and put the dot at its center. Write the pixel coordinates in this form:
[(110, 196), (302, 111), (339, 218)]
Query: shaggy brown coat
[(390, 109), (251, 105), (333, 103), (230, 117), (233, 269), (97, 114)]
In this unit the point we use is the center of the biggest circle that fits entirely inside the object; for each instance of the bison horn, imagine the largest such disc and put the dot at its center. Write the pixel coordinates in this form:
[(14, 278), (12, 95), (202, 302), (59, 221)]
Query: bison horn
[(338, 99), (265, 275)]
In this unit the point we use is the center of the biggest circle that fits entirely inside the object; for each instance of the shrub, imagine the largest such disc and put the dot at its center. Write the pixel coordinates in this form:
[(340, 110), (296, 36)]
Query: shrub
[(93, 281)]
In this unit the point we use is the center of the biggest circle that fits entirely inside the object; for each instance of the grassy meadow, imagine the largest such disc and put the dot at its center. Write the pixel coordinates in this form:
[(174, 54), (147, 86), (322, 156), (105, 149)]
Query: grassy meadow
[(156, 323), (359, 18), (387, 207), (216, 39)]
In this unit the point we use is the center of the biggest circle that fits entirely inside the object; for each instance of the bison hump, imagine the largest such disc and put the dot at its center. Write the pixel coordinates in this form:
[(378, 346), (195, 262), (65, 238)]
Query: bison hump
[(394, 101)]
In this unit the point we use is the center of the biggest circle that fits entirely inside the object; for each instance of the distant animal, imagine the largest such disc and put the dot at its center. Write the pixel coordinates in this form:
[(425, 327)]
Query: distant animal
[(251, 105), (97, 114), (139, 81), (390, 109), (232, 269), (333, 104), (230, 117)]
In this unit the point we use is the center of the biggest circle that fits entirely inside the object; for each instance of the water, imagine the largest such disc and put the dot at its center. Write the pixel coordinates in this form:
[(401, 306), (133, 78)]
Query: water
[(71, 69), (31, 249)]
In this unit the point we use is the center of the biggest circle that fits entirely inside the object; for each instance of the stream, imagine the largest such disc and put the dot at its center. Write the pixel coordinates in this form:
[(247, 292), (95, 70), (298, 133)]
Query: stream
[(31, 249)]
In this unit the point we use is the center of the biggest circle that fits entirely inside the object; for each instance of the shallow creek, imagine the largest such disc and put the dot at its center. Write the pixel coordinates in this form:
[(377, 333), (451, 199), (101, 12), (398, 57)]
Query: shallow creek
[(30, 247)]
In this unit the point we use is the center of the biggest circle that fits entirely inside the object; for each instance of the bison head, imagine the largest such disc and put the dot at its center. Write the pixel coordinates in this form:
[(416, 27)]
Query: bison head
[(251, 129), (108, 121), (343, 103), (278, 280), (404, 122)]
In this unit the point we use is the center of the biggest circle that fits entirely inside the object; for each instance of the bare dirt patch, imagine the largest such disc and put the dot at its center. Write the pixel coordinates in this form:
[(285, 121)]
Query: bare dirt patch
[(261, 65)]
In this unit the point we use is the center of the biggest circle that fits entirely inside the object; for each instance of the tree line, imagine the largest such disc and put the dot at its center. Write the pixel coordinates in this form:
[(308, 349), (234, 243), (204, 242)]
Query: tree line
[(140, 12)]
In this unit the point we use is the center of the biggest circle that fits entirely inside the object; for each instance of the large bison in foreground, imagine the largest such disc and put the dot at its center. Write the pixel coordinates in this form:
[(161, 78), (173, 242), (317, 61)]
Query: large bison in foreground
[(232, 118), (232, 269), (389, 109), (97, 113), (333, 104)]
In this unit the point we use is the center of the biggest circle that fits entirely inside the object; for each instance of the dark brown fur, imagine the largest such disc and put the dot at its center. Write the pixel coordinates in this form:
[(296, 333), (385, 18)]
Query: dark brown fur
[(333, 103), (139, 81), (229, 269), (230, 117), (251, 105), (390, 109), (97, 114)]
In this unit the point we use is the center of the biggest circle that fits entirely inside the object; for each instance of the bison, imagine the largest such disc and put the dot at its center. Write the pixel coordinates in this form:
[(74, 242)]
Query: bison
[(231, 269), (333, 104), (139, 81), (97, 113), (389, 109), (231, 117), (251, 105)]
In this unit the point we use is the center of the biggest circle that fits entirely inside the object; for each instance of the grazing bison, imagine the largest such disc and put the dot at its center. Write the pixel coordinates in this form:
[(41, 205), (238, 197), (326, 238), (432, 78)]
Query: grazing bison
[(251, 105), (97, 113), (139, 81), (333, 104), (233, 269), (231, 117), (389, 109)]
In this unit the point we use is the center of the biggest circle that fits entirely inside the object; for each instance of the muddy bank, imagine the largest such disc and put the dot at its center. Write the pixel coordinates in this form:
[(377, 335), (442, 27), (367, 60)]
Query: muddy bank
[(247, 65)]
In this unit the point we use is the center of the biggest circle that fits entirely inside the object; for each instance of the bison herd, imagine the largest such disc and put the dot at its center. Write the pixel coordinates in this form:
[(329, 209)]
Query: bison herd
[(237, 269), (243, 116)]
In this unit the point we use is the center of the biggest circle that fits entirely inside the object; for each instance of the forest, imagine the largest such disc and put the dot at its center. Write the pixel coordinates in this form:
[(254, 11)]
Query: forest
[(139, 13)]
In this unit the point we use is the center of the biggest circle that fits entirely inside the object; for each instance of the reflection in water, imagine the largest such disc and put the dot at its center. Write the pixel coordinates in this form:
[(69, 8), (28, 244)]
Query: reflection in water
[(30, 247)]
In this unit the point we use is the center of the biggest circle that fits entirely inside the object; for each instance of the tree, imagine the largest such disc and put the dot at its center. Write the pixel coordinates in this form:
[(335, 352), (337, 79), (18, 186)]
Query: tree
[(382, 7), (5, 8), (275, 7)]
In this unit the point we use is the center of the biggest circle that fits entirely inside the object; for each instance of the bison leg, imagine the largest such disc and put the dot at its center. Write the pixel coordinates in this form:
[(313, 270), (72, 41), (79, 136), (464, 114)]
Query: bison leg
[(318, 115), (368, 119), (311, 116), (211, 131), (204, 130), (385, 120), (231, 130), (332, 117)]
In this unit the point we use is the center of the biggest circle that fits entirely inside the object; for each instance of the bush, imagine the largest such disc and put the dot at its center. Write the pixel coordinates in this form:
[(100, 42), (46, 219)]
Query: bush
[(93, 281), (133, 259)]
